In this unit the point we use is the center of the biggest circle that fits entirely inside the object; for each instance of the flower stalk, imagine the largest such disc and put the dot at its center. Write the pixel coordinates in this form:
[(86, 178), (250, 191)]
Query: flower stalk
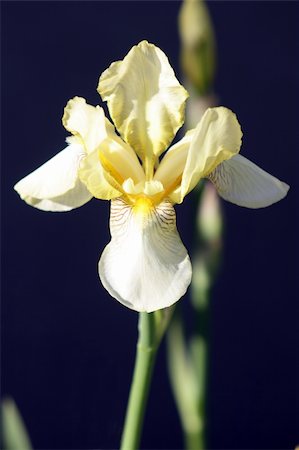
[(14, 432), (147, 346), (188, 359), (185, 385)]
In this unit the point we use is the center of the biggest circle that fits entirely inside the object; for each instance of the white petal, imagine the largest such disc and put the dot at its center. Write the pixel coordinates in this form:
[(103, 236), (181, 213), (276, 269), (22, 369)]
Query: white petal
[(240, 181), (145, 266), (55, 185)]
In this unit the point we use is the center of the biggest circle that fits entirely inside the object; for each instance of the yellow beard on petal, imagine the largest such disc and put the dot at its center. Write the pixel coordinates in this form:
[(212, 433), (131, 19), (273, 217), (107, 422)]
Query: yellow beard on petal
[(142, 206)]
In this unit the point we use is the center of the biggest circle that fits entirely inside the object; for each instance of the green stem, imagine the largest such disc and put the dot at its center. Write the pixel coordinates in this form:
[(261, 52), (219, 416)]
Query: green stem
[(14, 433), (144, 364), (194, 440), (199, 347), (187, 376)]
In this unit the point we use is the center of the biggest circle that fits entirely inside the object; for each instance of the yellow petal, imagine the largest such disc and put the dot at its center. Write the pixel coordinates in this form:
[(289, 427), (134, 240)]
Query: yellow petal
[(88, 123), (96, 179), (145, 101), (145, 266), (105, 170), (149, 188), (217, 138), (122, 158), (170, 170)]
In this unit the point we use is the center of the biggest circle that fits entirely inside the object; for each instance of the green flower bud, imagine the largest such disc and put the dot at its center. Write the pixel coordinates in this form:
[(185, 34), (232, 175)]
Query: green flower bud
[(197, 45), (209, 218)]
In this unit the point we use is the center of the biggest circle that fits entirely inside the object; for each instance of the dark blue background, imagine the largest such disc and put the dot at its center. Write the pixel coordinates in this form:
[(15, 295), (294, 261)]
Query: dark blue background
[(67, 347)]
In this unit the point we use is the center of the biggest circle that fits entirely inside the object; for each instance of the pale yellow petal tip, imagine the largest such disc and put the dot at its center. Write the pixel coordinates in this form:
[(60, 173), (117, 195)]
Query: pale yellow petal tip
[(229, 121), (144, 46), (18, 187), (27, 199), (69, 108), (227, 114), (285, 189)]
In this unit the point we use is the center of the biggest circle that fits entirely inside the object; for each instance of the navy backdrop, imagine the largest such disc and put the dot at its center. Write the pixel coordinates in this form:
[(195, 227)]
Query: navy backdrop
[(67, 347)]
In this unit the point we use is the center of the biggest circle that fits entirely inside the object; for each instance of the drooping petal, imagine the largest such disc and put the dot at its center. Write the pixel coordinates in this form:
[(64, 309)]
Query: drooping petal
[(242, 182), (88, 123), (105, 170), (216, 138), (145, 266), (145, 100), (55, 186)]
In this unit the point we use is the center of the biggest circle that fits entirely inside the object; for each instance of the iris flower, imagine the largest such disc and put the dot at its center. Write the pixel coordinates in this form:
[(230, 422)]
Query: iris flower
[(145, 266)]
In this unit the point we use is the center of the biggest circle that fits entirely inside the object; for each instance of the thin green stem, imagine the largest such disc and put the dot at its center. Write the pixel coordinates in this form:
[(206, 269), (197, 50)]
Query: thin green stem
[(194, 440), (14, 433), (199, 347), (144, 364), (186, 370)]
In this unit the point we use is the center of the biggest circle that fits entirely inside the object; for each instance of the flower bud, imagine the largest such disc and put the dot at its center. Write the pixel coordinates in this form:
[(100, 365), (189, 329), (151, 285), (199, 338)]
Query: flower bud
[(209, 218), (197, 45), (207, 258)]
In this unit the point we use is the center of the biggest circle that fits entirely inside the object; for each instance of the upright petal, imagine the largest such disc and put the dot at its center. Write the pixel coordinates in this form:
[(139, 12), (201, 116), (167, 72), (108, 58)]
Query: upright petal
[(145, 266), (217, 137), (88, 123), (55, 186), (145, 100), (240, 181)]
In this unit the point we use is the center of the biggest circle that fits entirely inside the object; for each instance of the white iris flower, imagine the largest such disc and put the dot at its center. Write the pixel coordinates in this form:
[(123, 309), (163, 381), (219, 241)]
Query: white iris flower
[(145, 266)]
